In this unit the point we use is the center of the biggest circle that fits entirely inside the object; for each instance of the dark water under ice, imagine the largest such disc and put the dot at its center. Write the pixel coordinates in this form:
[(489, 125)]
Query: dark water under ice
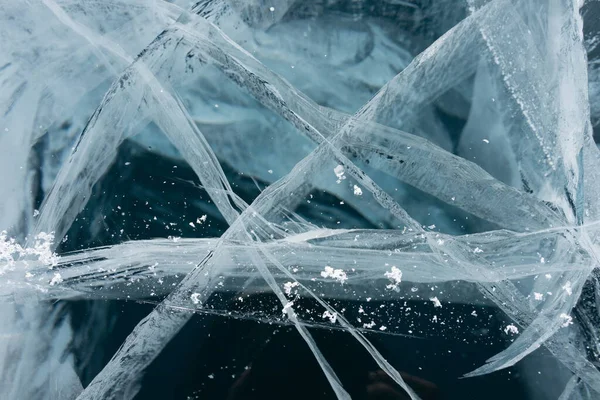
[(220, 357)]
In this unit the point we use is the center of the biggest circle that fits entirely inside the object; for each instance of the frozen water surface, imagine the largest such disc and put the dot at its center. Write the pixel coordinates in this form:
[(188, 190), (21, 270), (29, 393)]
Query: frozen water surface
[(248, 199)]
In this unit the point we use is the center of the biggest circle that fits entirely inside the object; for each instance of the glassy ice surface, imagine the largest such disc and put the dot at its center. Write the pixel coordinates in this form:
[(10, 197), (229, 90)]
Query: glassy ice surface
[(299, 199)]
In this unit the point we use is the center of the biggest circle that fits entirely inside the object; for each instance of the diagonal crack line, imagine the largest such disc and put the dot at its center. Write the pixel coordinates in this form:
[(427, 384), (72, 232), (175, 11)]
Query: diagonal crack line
[(115, 377), (251, 225)]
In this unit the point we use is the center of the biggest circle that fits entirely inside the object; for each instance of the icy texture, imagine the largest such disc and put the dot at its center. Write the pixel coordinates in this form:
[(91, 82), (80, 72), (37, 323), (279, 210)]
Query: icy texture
[(308, 101)]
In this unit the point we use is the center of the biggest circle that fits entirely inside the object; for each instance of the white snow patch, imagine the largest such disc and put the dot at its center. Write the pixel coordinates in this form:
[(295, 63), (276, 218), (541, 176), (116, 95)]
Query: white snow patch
[(436, 302), (337, 274), (394, 275)]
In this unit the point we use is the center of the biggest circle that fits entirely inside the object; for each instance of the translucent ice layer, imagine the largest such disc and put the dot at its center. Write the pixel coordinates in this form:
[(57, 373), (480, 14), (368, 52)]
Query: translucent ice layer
[(331, 153)]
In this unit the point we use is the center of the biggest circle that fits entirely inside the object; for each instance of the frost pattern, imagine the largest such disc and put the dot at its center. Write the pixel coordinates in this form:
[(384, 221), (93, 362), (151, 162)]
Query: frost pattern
[(525, 166)]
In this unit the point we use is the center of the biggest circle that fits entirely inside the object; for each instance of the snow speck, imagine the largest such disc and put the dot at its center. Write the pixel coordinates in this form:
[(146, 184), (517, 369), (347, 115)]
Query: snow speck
[(195, 298), (288, 286), (56, 279), (511, 329), (568, 288), (287, 308), (201, 220), (331, 316), (538, 296), (568, 320), (339, 173), (436, 302), (357, 191)]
